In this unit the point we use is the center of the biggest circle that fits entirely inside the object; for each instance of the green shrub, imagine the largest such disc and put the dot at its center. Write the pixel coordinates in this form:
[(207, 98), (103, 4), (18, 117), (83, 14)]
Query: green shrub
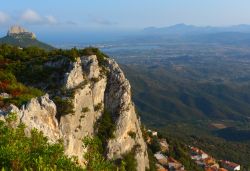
[(64, 106), (94, 155), (95, 51), (98, 107), (85, 109), (155, 145), (105, 127), (129, 161), (152, 161), (19, 152), (20, 94), (132, 134)]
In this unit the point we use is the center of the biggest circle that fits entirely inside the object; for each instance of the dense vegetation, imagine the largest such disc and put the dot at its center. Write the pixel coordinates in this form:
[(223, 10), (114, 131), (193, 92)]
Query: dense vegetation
[(105, 127), (96, 160), (173, 95), (94, 156), (19, 152), (23, 69), (179, 151), (202, 135)]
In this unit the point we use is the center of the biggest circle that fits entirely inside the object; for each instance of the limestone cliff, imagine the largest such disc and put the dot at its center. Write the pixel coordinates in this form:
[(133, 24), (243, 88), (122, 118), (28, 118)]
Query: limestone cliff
[(94, 87), (17, 30)]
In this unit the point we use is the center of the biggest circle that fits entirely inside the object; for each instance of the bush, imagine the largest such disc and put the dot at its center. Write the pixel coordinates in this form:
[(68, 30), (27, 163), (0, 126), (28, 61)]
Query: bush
[(98, 107), (64, 106), (132, 134), (155, 145), (85, 109), (152, 160), (95, 51), (129, 161), (105, 127), (19, 152), (20, 94), (94, 155)]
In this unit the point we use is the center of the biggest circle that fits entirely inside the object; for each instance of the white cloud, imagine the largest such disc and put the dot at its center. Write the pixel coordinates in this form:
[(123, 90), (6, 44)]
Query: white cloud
[(101, 21), (3, 18), (51, 19), (71, 23), (31, 16)]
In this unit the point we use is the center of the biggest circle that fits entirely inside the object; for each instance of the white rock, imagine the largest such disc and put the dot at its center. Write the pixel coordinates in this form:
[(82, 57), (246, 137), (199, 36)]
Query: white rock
[(111, 92), (39, 113), (75, 76), (18, 30), (90, 66)]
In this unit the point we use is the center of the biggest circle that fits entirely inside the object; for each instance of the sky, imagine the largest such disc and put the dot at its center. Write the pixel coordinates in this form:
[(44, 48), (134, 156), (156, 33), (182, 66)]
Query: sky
[(57, 17)]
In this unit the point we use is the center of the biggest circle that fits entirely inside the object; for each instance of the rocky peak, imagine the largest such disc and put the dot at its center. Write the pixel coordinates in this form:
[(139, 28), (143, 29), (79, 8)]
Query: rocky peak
[(94, 88), (17, 30)]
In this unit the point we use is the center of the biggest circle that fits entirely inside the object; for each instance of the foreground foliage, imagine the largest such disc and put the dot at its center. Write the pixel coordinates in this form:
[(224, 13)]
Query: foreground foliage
[(19, 152), (96, 161)]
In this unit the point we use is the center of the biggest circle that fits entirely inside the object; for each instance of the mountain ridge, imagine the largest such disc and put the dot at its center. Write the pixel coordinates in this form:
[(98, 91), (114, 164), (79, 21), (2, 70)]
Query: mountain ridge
[(192, 29)]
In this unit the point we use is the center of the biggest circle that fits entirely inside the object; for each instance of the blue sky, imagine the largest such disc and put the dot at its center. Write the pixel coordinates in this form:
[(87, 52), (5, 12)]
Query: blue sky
[(117, 15)]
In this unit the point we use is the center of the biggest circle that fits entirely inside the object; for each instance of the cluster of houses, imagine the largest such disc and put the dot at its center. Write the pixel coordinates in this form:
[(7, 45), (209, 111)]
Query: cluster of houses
[(207, 162), (164, 162), (202, 159)]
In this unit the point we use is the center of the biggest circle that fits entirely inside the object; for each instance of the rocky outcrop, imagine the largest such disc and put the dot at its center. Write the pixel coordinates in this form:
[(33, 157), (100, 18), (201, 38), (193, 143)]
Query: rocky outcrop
[(128, 135), (93, 88), (75, 76), (40, 114), (16, 30)]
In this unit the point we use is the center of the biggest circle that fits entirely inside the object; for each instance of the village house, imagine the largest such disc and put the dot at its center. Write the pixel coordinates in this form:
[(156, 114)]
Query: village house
[(162, 159), (230, 166), (154, 133), (210, 162), (164, 145), (197, 154), (174, 165)]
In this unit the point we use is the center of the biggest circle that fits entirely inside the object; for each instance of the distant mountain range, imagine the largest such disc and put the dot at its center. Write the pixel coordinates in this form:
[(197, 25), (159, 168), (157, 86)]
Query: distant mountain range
[(182, 29), (19, 36)]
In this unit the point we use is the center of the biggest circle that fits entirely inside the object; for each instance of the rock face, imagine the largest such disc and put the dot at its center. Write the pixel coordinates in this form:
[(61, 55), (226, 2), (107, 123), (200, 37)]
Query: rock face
[(16, 30), (118, 102), (94, 88), (39, 113)]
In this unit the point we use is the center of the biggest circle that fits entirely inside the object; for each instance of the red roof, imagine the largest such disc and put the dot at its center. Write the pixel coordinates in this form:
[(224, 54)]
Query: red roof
[(230, 164)]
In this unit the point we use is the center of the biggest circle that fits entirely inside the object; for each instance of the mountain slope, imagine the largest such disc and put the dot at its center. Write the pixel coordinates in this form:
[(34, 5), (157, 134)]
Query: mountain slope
[(24, 42), (160, 95)]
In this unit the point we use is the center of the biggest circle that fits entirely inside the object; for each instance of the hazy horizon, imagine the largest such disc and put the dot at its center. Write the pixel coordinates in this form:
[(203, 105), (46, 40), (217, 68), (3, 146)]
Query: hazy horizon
[(53, 20), (122, 15)]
